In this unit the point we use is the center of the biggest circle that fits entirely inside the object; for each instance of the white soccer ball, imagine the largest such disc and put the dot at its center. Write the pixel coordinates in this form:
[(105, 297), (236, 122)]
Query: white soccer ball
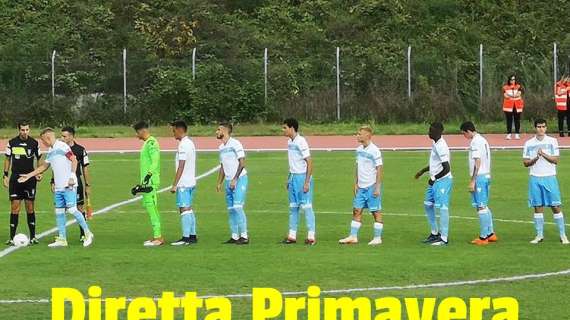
[(21, 240)]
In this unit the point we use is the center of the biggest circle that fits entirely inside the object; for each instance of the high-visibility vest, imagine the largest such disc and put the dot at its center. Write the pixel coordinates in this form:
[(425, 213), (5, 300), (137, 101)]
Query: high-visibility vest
[(511, 102), (561, 95)]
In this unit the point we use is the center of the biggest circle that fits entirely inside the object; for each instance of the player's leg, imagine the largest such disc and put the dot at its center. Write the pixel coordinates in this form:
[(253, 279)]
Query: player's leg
[(293, 210), (31, 217), (358, 204), (554, 201), (239, 202), (536, 200), (150, 203), (429, 207), (70, 197), (232, 215), (442, 194), (187, 218), (559, 220), (479, 201), (61, 239), (14, 217), (307, 206), (378, 228), (80, 207)]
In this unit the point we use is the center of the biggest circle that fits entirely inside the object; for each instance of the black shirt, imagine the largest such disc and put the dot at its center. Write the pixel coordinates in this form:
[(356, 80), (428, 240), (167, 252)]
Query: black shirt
[(82, 158), (22, 153)]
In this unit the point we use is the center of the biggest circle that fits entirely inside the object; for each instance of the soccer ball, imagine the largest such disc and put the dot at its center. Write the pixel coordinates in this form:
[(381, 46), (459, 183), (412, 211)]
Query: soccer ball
[(21, 240)]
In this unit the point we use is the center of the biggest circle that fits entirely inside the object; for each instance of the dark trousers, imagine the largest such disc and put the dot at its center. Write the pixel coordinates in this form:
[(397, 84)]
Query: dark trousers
[(563, 115), (516, 116)]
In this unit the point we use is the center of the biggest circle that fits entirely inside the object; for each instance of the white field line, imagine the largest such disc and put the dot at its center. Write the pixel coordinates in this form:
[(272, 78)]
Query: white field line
[(106, 209), (514, 278)]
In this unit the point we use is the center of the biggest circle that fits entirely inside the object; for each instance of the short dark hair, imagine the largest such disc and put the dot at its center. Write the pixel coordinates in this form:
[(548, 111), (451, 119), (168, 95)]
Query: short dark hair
[(467, 126), (46, 130), (291, 123), (68, 129), (179, 124), (22, 123), (438, 126), (228, 125), (539, 121), (140, 125)]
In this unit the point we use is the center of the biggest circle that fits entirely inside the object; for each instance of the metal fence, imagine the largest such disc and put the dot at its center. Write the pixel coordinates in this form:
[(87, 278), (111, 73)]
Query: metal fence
[(418, 85)]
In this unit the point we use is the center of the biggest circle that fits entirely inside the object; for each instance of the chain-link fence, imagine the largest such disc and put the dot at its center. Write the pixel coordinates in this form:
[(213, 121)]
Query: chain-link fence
[(417, 84)]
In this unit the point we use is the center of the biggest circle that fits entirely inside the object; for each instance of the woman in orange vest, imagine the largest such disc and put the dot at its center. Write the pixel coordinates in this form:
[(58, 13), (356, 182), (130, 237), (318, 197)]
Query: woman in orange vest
[(561, 92), (513, 105)]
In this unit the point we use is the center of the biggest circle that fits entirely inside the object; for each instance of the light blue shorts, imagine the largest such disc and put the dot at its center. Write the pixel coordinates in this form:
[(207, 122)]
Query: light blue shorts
[(439, 193), (297, 196), (236, 197), (184, 197), (66, 198), (543, 192), (480, 198), (365, 198)]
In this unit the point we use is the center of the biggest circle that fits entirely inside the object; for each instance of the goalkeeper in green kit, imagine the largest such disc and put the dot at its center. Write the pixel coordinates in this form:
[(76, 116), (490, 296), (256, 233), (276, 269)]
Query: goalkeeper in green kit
[(150, 181)]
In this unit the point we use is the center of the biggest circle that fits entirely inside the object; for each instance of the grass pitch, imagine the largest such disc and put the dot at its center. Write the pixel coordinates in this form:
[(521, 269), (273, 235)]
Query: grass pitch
[(121, 266)]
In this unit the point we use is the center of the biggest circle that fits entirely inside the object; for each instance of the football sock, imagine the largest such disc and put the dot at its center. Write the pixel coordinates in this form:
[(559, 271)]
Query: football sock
[(539, 224), (233, 221), (559, 219), (444, 222), (32, 224), (484, 222), (81, 231), (13, 224), (60, 221), (491, 226), (430, 213), (378, 228), (80, 219), (354, 227), (293, 220), (186, 222), (242, 221), (310, 217)]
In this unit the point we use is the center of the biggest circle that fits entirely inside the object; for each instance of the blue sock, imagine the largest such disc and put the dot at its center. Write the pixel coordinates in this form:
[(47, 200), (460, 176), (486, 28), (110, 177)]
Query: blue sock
[(186, 222), (354, 227), (60, 222), (293, 219), (378, 227), (233, 221), (444, 222), (430, 213), (539, 224), (491, 227), (310, 217), (242, 221), (80, 220), (559, 219), (484, 220), (192, 224)]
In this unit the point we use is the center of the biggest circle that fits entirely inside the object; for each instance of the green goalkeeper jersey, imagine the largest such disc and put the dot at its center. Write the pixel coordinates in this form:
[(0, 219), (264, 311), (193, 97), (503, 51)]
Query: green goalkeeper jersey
[(150, 160)]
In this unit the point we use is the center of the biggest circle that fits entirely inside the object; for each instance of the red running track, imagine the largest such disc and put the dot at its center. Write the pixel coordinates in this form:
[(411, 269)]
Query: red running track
[(396, 142)]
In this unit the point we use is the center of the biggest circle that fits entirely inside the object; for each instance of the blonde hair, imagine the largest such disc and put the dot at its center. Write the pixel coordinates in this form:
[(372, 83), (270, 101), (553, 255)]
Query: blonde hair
[(46, 131), (366, 128)]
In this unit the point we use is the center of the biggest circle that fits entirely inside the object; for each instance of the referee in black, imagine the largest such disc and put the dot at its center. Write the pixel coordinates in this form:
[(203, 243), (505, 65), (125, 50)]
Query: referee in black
[(68, 136), (20, 154)]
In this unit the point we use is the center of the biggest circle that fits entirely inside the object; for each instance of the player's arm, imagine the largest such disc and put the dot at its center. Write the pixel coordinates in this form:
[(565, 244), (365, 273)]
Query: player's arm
[(86, 178), (309, 162), (356, 179), (220, 178), (74, 165), (241, 166), (7, 164), (179, 172), (476, 168), (421, 172), (528, 162), (39, 161), (39, 170), (379, 179), (549, 158), (154, 154)]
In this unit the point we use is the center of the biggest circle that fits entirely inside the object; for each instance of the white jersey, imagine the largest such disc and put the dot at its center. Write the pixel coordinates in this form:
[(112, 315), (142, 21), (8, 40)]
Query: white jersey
[(59, 158), (186, 152), (542, 168), (439, 154), (479, 149), (298, 151), (230, 153), (367, 160)]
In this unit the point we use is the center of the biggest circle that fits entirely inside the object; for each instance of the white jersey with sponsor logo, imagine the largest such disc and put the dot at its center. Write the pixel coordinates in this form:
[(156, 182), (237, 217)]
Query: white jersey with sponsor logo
[(439, 154), (230, 153), (59, 158), (542, 168), (186, 152), (479, 149), (298, 151), (367, 160)]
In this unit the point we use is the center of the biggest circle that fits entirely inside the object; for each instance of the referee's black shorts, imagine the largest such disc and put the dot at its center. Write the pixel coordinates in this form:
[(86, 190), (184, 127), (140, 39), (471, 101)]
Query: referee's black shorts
[(22, 191)]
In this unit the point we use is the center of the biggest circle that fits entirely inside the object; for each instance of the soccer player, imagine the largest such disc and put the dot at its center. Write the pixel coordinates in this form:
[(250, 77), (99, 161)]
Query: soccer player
[(232, 170), (20, 154), (300, 182), (541, 155), (367, 187), (185, 182), (150, 175), (480, 173), (439, 187), (64, 165), (68, 136)]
